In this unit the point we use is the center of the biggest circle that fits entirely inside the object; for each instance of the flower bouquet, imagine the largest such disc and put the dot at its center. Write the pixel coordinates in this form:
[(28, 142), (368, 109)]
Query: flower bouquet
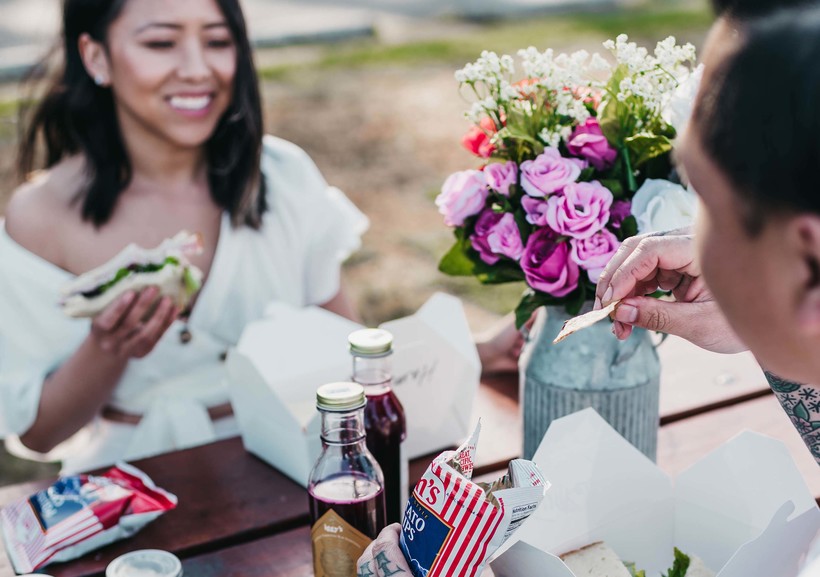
[(576, 158)]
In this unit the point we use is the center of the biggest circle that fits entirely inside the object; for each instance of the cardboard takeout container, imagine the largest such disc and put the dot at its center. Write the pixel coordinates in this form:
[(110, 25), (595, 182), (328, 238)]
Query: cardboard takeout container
[(280, 361), (744, 508)]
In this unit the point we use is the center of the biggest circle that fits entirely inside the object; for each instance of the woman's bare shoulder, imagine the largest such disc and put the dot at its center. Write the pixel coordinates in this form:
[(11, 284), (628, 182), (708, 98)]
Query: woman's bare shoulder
[(40, 211)]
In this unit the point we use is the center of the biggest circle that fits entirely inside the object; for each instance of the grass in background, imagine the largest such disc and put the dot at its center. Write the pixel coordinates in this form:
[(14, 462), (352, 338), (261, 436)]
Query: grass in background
[(645, 23)]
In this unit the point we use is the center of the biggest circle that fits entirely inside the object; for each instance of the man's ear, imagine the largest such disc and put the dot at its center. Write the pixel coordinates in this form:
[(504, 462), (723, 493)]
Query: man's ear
[(807, 229), (95, 59)]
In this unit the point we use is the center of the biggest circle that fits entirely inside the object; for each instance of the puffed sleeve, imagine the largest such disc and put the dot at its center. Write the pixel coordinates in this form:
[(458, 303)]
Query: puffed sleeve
[(35, 337), (331, 224)]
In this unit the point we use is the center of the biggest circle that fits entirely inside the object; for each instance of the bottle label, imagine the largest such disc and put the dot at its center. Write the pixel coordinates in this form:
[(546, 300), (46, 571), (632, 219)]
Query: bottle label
[(336, 546)]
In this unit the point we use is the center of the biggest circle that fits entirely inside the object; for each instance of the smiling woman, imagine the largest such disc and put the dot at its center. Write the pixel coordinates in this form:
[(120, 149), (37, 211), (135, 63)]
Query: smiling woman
[(153, 125)]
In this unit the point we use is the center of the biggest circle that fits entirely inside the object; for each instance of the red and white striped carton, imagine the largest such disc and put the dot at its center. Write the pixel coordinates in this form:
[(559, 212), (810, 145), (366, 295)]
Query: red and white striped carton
[(452, 526), (80, 513)]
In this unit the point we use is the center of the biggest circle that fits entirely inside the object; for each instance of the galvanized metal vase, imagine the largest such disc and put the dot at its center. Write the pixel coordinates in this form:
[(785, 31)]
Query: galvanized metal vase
[(591, 368)]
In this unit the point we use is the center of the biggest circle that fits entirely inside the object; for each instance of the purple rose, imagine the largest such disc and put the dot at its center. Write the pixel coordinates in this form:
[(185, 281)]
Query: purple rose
[(463, 194), (618, 213), (496, 234), (500, 177), (547, 265), (549, 172), (536, 210), (483, 227), (589, 142), (581, 210), (593, 253)]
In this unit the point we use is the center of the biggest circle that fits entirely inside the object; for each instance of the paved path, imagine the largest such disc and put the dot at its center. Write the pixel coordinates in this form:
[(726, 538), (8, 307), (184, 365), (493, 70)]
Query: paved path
[(29, 27)]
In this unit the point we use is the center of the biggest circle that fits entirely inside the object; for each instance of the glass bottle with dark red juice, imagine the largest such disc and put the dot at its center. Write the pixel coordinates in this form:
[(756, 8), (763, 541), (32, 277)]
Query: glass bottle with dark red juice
[(384, 420), (345, 489)]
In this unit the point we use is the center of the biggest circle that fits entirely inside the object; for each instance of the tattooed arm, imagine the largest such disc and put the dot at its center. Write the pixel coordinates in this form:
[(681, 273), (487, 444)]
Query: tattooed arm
[(802, 405), (383, 557)]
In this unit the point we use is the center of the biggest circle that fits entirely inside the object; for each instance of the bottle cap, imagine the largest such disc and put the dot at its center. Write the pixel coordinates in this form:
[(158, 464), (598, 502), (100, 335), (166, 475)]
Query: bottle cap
[(370, 342), (340, 397), (145, 563)]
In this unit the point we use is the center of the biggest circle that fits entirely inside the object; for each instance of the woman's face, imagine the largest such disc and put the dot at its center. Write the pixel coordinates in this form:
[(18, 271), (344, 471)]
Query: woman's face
[(171, 68)]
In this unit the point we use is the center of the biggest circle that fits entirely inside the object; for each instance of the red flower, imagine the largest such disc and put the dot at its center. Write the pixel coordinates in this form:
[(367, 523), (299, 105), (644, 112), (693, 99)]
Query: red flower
[(478, 138)]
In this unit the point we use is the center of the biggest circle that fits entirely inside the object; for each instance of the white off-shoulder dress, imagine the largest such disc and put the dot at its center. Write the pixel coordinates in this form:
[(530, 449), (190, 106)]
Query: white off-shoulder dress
[(295, 257)]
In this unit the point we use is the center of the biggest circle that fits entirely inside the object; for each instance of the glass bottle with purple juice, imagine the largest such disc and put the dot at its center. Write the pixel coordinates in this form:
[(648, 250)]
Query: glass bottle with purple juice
[(345, 488), (384, 420)]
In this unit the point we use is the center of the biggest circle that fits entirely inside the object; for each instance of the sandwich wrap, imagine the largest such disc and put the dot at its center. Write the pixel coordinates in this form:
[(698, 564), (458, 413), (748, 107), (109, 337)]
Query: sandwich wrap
[(134, 268), (452, 525)]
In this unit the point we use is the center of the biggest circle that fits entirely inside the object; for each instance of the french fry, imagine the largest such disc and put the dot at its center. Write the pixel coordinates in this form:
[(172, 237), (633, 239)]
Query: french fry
[(575, 324)]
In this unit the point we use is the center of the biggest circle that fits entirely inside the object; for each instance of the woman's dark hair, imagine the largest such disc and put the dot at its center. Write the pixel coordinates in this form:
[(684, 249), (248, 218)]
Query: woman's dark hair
[(748, 9), (759, 119), (77, 116)]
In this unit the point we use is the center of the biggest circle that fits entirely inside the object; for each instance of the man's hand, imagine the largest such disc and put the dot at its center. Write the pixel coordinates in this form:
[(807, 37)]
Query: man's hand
[(664, 261), (383, 557)]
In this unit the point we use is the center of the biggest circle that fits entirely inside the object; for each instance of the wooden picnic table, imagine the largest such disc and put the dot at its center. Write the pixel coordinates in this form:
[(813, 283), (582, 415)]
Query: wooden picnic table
[(239, 517)]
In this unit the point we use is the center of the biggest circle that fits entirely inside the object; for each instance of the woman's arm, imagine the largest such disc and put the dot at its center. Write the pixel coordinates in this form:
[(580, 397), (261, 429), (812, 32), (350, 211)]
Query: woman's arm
[(341, 305), (129, 328)]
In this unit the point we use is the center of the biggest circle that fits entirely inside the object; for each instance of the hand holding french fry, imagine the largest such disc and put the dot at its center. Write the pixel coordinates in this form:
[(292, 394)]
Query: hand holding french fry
[(665, 261)]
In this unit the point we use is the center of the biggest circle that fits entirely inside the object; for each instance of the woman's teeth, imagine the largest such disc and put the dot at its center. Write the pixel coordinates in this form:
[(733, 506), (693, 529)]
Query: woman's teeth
[(190, 102)]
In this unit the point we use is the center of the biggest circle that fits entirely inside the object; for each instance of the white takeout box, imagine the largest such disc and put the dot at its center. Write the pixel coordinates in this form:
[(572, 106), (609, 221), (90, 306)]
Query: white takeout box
[(744, 508), (283, 358)]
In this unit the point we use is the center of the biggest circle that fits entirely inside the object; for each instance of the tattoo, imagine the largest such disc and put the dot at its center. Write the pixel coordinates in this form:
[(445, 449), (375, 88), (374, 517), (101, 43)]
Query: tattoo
[(383, 563), (365, 570), (801, 405)]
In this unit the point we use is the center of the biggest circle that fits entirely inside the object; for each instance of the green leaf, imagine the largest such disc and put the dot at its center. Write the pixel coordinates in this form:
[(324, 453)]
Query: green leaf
[(646, 146), (633, 570), (615, 187), (801, 412), (680, 566), (629, 227), (586, 174), (191, 282), (525, 309), (611, 110), (456, 262)]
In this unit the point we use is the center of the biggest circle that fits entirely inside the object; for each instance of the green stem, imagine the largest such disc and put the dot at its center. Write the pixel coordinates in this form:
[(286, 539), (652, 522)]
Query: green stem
[(630, 176)]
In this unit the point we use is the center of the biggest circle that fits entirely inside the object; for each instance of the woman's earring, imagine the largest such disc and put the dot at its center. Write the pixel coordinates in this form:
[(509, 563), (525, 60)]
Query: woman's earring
[(99, 79)]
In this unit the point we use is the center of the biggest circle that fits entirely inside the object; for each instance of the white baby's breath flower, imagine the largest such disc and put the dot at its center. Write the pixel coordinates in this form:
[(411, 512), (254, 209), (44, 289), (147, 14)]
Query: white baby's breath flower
[(549, 138), (599, 64)]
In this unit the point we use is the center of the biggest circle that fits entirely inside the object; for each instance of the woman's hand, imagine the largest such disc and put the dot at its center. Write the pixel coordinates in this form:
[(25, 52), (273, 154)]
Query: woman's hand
[(664, 261), (131, 326), (383, 557), (500, 346)]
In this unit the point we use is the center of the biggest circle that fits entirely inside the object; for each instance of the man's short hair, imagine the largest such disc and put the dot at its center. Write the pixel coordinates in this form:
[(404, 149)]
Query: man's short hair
[(759, 119), (749, 9)]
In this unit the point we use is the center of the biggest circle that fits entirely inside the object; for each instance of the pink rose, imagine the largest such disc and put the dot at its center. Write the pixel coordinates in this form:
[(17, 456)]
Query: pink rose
[(496, 234), (549, 172), (478, 139), (581, 210), (500, 177), (463, 194), (536, 210), (547, 266), (593, 253), (504, 238), (589, 142)]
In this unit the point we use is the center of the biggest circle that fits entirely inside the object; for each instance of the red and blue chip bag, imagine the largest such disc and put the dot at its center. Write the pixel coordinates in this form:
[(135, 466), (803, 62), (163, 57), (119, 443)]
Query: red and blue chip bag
[(452, 526), (79, 513)]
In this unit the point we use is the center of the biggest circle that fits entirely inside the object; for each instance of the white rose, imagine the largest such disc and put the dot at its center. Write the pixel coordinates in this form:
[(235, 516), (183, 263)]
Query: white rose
[(662, 205), (678, 108)]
